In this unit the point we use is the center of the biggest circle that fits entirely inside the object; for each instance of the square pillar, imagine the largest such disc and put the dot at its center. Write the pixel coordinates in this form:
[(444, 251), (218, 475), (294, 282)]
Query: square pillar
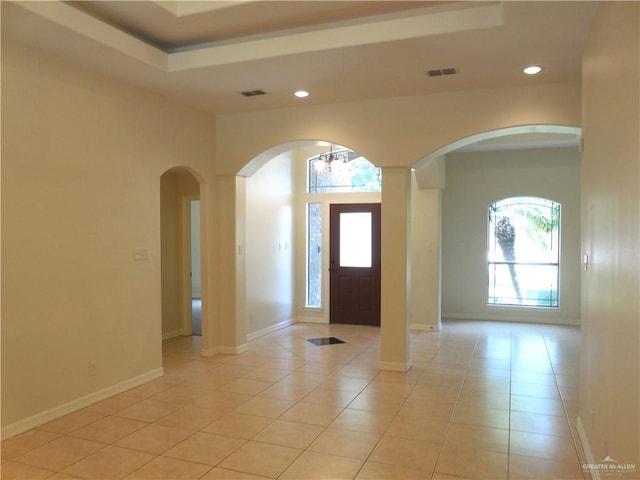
[(228, 318), (395, 291)]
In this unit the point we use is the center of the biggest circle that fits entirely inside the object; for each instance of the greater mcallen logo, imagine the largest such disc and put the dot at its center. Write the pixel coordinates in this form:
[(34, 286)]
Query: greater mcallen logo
[(610, 466)]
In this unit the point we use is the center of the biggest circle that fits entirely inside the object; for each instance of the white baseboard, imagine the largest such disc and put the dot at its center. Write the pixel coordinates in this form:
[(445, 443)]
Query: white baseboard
[(421, 327), (172, 334), (233, 350), (318, 320), (514, 318), (266, 331), (395, 366), (582, 435), (82, 402)]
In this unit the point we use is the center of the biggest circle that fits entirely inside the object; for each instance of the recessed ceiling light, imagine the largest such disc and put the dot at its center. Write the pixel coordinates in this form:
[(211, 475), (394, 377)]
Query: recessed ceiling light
[(532, 70), (301, 94)]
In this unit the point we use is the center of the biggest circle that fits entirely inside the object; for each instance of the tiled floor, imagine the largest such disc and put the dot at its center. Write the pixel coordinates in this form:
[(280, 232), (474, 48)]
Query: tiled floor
[(483, 400)]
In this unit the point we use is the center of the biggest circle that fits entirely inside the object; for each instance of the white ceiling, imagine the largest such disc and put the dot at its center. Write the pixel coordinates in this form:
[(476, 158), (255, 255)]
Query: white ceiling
[(205, 53)]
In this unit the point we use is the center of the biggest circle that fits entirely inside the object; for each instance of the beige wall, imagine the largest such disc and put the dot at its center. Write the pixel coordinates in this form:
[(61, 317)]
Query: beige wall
[(475, 179), (82, 158), (425, 257), (610, 362), (396, 131), (270, 245)]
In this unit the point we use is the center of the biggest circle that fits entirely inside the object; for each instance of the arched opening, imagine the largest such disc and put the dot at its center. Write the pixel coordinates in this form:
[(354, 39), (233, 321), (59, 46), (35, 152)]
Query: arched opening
[(456, 183), (181, 284), (281, 211)]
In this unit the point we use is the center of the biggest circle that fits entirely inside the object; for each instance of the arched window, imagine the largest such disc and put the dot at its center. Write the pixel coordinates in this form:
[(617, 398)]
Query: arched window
[(342, 171), (523, 252)]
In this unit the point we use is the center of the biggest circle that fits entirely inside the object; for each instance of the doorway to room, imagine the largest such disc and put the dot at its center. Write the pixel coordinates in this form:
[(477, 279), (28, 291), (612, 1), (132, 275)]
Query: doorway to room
[(180, 254), (194, 264), (354, 263)]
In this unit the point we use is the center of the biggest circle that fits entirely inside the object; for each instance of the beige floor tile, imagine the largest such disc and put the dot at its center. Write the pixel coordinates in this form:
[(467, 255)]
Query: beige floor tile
[(366, 372), (385, 471), (113, 404), (544, 406), (430, 429), (19, 471), (487, 384), (446, 476), (59, 453), (363, 421), (476, 464), (181, 394), (312, 413), (416, 407), (221, 402), (245, 385), (264, 407), (485, 399), (410, 377), (108, 429), (270, 375), (441, 393), (154, 438), (538, 423), (482, 416), (261, 459), (551, 447), (109, 463), (224, 474), (378, 403), (289, 434), (148, 410), (409, 453), (348, 384), (163, 468), (238, 425), (206, 448), (535, 390), (72, 422), (314, 465), (147, 390), (16, 446), (523, 467), (533, 377), (304, 378), (287, 391), (192, 418), (345, 443), (326, 396), (474, 437), (392, 390)]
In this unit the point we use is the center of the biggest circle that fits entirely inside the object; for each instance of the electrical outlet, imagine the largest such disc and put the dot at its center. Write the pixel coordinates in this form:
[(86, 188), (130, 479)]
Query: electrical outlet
[(92, 367)]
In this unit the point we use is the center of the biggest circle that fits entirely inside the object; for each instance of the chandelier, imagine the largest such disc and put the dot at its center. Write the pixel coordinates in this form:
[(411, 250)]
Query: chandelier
[(332, 161)]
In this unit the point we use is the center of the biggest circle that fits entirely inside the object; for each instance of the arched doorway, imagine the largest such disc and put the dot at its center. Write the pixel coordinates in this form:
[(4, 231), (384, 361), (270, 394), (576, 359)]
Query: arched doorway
[(538, 160), (180, 253)]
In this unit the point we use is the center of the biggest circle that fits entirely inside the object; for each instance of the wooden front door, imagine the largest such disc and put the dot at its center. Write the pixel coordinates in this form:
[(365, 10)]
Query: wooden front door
[(354, 261)]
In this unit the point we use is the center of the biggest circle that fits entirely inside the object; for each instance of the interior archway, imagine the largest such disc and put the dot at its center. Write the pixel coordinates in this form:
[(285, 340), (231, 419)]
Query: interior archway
[(180, 243)]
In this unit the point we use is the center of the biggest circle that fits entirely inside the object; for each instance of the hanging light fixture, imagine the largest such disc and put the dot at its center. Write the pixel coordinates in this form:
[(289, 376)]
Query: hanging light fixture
[(331, 161)]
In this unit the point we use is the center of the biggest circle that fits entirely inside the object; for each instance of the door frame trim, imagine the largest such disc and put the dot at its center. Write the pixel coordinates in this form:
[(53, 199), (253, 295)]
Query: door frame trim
[(184, 263)]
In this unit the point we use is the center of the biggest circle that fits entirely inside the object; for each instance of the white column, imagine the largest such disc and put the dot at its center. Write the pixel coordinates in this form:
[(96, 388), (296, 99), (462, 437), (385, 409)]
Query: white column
[(395, 292), (227, 317)]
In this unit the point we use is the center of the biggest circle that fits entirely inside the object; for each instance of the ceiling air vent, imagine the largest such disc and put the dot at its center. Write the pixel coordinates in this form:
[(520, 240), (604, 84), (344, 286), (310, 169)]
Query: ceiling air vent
[(253, 93), (438, 72)]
